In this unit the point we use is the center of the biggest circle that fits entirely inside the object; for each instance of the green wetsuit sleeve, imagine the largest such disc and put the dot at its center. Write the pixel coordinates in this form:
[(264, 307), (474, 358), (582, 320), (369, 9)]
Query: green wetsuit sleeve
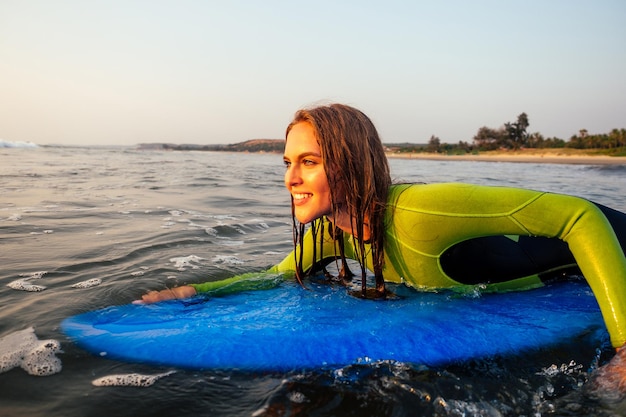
[(244, 282), (595, 247)]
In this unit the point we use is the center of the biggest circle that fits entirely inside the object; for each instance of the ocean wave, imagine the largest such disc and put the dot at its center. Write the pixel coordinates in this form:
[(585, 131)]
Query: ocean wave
[(9, 144), (609, 169)]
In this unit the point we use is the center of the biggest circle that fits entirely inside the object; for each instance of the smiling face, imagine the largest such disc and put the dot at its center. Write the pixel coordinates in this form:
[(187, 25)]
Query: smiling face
[(305, 177)]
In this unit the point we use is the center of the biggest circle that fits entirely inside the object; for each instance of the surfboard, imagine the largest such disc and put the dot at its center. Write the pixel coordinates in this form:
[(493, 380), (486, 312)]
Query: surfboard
[(290, 327)]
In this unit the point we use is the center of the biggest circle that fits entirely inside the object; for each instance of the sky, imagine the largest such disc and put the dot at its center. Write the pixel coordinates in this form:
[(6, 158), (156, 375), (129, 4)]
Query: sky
[(123, 72)]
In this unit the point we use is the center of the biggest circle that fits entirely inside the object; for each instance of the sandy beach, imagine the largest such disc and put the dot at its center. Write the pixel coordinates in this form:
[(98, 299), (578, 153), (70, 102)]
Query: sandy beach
[(525, 156)]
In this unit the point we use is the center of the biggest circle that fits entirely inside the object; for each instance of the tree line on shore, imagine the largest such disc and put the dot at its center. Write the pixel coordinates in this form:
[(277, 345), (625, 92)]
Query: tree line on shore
[(515, 136), (510, 136)]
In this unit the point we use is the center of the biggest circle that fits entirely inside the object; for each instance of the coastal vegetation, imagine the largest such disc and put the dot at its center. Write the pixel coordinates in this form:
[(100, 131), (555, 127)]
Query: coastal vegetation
[(514, 136), (510, 137)]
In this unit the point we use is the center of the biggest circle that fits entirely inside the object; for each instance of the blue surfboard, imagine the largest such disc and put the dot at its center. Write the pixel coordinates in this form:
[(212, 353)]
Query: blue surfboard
[(290, 327)]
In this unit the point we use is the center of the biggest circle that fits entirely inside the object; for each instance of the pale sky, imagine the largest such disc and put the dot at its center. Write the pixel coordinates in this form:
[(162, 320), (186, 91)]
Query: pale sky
[(95, 72)]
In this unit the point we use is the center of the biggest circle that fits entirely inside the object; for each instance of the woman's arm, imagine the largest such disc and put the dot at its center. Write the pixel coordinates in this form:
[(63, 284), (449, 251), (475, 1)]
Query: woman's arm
[(594, 244), (244, 282), (250, 281), (184, 291)]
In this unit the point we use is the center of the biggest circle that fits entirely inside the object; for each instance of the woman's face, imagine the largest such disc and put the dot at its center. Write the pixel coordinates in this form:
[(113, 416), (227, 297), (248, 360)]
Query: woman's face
[(305, 177)]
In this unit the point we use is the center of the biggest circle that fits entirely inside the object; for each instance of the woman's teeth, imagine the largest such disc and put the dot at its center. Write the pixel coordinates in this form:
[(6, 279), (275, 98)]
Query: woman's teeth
[(300, 196)]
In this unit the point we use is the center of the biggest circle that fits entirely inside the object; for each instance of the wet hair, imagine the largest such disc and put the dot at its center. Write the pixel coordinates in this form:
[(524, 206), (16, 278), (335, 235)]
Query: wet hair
[(358, 176)]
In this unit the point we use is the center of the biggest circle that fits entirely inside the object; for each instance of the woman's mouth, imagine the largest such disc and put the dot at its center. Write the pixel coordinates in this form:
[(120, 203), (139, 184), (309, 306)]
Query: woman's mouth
[(301, 197)]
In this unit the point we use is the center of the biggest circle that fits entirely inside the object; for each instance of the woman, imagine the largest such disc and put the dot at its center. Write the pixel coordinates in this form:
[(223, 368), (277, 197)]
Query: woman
[(430, 236)]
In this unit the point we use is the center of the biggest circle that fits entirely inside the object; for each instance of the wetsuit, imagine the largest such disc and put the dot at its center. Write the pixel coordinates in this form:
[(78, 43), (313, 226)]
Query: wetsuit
[(459, 235)]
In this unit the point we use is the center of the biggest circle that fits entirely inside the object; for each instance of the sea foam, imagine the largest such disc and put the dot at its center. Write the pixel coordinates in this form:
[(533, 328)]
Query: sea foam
[(128, 380), (183, 262), (88, 283), (9, 144), (24, 349), (23, 284)]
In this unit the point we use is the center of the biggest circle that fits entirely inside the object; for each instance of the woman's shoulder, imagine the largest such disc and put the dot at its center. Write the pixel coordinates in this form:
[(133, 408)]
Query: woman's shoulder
[(457, 195), (453, 187), (432, 188)]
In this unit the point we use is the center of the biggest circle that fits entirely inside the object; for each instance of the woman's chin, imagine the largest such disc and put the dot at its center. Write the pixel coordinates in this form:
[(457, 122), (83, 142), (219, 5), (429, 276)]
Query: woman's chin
[(306, 218)]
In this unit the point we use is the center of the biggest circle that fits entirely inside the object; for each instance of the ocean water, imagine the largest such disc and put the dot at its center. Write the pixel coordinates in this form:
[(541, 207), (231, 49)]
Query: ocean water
[(124, 221)]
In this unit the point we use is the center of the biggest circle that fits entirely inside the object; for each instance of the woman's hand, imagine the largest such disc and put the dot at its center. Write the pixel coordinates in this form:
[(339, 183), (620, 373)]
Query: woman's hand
[(175, 293)]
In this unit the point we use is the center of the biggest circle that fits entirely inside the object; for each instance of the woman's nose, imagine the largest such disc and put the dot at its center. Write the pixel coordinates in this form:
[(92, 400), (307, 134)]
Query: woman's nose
[(292, 176)]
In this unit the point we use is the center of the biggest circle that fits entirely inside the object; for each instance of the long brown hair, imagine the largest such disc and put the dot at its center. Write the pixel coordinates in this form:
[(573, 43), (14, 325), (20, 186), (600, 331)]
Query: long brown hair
[(359, 180)]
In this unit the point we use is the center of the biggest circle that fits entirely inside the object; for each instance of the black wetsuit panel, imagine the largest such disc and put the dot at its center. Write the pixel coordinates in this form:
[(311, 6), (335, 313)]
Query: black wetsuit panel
[(503, 259)]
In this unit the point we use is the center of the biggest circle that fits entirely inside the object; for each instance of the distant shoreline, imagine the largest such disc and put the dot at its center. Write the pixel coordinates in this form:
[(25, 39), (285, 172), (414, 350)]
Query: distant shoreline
[(549, 157), (528, 155)]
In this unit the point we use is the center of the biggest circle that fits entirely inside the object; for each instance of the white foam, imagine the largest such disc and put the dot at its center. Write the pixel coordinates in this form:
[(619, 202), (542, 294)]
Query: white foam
[(24, 285), (42, 360), (297, 397), (17, 144), (37, 357), (128, 380), (34, 275), (88, 283), (224, 217), (227, 259), (210, 231), (183, 262), (565, 369)]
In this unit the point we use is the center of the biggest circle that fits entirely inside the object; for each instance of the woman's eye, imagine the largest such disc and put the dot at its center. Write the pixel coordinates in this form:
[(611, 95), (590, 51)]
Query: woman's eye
[(305, 162)]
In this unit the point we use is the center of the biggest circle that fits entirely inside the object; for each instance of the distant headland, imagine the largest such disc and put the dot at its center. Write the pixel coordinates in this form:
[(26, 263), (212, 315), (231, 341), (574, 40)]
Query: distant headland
[(252, 145)]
